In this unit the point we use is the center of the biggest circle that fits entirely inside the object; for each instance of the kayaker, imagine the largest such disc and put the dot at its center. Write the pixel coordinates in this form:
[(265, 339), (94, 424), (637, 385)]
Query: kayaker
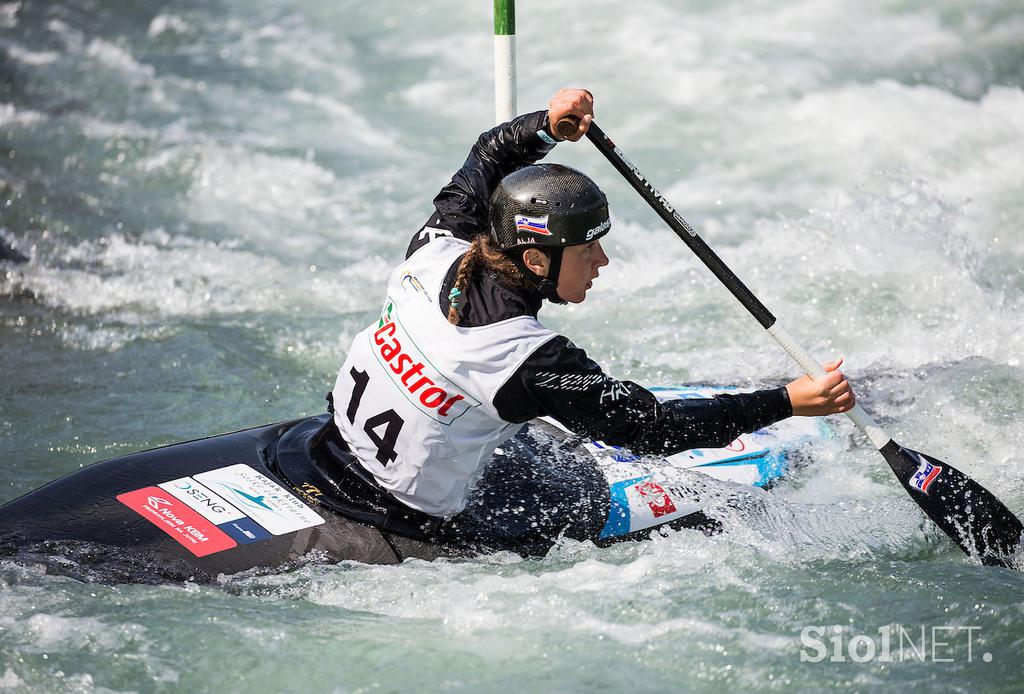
[(458, 361)]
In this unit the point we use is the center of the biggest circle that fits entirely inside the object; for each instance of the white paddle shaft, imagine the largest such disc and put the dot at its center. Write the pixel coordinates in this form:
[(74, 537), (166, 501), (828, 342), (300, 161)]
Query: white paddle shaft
[(811, 366)]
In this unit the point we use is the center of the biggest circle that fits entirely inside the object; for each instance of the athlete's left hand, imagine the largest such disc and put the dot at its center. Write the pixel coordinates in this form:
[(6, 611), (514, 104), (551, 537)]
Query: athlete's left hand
[(571, 102)]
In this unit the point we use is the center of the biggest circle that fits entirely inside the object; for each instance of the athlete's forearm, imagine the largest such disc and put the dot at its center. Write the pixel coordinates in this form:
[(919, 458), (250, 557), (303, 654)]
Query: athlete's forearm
[(679, 425), (560, 381), (460, 208)]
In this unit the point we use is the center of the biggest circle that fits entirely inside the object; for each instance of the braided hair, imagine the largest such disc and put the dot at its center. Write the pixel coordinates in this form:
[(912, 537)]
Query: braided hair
[(483, 255)]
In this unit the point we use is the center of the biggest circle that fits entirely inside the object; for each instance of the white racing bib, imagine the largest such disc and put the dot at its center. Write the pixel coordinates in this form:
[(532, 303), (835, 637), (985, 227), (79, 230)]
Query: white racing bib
[(414, 398)]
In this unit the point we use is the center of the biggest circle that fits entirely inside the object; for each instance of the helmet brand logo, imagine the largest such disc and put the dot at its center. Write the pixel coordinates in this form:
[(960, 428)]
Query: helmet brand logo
[(591, 233), (533, 225)]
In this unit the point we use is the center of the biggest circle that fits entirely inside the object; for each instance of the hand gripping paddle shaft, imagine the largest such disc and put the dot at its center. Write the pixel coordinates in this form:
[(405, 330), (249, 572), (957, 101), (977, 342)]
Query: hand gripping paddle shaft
[(967, 512)]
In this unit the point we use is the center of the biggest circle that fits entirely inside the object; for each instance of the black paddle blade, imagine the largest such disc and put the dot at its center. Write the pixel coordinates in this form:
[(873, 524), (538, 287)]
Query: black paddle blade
[(968, 513)]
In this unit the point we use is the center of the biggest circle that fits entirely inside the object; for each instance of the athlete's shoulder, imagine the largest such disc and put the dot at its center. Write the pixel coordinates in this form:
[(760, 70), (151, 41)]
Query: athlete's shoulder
[(442, 227)]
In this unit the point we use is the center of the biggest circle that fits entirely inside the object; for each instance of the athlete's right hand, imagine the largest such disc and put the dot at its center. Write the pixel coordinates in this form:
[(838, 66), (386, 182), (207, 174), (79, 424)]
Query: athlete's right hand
[(571, 102), (815, 397)]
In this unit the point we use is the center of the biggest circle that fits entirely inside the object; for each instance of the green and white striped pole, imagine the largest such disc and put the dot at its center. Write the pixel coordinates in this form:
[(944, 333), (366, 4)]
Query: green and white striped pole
[(504, 59)]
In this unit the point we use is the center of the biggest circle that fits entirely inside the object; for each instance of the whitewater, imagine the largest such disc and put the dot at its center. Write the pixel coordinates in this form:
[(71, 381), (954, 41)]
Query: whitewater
[(200, 203)]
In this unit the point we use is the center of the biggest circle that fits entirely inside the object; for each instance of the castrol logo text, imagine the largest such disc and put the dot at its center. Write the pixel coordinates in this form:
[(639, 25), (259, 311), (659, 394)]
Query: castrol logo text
[(411, 372)]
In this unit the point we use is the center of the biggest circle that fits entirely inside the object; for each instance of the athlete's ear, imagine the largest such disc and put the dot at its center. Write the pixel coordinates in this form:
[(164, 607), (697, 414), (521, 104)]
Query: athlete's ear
[(537, 261)]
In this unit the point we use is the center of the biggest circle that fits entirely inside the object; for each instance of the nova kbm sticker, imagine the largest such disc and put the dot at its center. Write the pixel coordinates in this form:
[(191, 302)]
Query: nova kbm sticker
[(185, 526)]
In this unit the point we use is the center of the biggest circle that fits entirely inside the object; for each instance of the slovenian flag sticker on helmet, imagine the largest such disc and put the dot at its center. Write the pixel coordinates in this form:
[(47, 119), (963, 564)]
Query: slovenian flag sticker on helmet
[(533, 225), (926, 474)]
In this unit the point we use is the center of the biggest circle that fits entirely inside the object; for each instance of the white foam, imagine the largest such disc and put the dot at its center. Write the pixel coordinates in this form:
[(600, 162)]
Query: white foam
[(168, 24), (293, 45), (12, 116), (98, 129), (10, 680), (9, 14), (138, 282), (116, 57), (52, 631), (346, 119), (72, 38), (443, 90), (33, 58)]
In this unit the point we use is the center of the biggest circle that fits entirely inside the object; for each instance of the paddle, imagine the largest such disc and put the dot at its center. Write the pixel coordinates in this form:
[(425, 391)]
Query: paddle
[(967, 512)]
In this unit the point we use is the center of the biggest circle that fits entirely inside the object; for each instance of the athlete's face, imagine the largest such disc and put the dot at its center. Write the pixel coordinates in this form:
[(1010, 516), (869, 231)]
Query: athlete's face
[(579, 270)]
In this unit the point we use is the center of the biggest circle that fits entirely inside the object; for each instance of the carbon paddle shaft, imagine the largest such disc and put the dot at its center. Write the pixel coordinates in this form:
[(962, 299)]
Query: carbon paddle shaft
[(968, 513)]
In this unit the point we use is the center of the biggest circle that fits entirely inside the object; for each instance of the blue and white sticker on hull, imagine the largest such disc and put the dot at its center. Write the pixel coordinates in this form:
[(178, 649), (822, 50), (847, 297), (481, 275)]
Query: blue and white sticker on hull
[(260, 499), (639, 503)]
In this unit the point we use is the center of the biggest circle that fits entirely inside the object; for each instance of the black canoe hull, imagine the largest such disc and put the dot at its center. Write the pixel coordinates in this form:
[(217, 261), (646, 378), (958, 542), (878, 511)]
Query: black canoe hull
[(77, 525)]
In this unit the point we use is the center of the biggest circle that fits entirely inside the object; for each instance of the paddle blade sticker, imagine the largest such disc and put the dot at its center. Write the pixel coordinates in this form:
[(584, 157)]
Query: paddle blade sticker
[(927, 473)]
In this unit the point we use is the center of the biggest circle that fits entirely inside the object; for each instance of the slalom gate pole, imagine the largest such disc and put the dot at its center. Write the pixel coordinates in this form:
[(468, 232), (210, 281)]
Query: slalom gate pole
[(504, 60)]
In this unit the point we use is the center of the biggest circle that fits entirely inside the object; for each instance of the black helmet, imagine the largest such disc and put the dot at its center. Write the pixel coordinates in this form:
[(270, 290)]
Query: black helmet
[(547, 205)]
